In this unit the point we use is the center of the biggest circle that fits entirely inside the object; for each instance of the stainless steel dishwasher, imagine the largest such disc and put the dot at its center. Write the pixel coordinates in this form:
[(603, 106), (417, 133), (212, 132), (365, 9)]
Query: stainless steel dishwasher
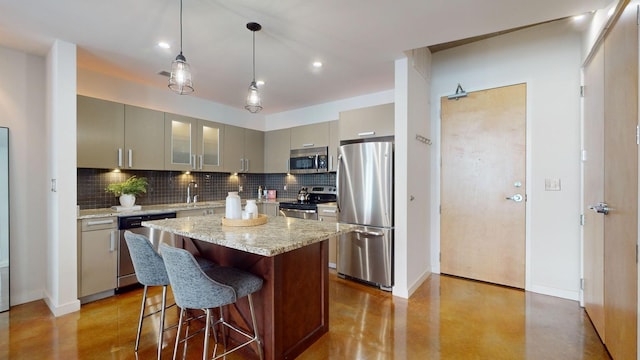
[(126, 273)]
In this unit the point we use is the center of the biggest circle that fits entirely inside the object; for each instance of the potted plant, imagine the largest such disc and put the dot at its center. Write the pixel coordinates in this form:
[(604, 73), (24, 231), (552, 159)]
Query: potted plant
[(128, 190)]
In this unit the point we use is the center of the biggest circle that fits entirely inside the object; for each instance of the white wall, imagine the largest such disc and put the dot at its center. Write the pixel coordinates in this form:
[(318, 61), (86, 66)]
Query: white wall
[(22, 110), (548, 59), (94, 84)]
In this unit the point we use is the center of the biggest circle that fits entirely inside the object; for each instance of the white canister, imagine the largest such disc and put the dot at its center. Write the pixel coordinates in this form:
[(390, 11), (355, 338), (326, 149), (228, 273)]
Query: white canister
[(233, 209), (251, 209)]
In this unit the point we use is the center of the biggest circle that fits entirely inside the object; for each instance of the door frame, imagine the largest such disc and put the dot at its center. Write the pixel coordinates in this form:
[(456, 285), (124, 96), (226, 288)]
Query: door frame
[(435, 245)]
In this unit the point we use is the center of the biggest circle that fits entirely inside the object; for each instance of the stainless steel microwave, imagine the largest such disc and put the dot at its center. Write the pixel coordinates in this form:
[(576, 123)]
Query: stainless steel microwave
[(309, 160)]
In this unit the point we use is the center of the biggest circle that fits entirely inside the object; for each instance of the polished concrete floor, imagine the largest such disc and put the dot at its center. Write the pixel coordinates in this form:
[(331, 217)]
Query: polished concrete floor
[(447, 318)]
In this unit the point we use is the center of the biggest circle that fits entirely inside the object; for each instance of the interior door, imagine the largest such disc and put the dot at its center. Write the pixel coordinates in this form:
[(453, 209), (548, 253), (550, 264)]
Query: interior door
[(483, 188), (593, 191), (621, 185)]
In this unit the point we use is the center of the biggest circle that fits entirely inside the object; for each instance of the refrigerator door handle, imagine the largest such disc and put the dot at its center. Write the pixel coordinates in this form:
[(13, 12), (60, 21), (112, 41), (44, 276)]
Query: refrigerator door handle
[(368, 233), (339, 159)]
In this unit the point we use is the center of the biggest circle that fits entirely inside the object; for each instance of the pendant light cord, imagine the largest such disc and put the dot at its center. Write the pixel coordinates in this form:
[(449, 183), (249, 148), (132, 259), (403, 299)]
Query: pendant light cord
[(180, 26), (254, 55)]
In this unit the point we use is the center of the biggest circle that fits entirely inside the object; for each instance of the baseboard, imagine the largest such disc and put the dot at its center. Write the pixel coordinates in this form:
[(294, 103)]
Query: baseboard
[(564, 294), (413, 287), (416, 284), (64, 309)]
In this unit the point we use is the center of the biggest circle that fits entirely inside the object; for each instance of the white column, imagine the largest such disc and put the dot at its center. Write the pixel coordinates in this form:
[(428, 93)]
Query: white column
[(61, 293)]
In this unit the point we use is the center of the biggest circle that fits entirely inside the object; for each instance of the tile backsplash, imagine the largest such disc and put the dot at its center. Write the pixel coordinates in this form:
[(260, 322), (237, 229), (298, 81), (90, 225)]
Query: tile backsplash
[(168, 187)]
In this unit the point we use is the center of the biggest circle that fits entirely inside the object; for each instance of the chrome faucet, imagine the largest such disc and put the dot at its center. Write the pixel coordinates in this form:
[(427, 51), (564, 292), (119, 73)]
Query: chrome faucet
[(192, 187)]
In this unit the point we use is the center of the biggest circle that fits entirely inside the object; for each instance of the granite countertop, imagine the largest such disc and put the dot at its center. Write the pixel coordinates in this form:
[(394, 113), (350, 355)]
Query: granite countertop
[(279, 235), (162, 208)]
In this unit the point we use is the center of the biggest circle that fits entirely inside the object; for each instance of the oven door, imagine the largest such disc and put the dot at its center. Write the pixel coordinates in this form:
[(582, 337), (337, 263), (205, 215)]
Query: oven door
[(299, 213)]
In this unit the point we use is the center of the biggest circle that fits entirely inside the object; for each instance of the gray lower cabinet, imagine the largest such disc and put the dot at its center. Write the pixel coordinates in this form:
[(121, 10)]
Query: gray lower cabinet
[(98, 255)]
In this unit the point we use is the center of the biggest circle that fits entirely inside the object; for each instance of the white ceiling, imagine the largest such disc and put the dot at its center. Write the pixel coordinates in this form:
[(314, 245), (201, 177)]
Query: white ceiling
[(357, 40)]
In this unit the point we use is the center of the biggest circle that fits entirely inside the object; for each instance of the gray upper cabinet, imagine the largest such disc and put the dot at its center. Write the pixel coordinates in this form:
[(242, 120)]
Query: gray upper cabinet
[(373, 121), (192, 144), (277, 145), (312, 135), (143, 138), (100, 133), (243, 150)]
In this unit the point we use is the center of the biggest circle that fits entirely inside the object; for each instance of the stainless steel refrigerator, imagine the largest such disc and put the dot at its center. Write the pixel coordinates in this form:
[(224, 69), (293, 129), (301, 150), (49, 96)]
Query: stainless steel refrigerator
[(365, 199)]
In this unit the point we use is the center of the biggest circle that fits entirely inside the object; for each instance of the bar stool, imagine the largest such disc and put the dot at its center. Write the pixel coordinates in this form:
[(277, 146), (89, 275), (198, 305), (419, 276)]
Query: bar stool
[(150, 271), (206, 289)]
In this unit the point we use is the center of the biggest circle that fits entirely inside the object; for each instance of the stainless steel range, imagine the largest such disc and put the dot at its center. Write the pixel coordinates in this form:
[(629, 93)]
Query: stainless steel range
[(308, 199)]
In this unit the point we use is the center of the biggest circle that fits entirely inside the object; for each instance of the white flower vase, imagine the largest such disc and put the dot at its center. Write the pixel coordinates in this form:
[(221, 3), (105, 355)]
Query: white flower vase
[(127, 200)]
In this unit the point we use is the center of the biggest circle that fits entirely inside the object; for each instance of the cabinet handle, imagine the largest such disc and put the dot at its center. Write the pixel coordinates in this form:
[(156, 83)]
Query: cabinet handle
[(247, 168), (241, 165), (307, 145), (112, 241), (328, 211), (100, 222), (193, 161), (119, 157), (201, 161), (366, 133), (130, 158), (331, 162)]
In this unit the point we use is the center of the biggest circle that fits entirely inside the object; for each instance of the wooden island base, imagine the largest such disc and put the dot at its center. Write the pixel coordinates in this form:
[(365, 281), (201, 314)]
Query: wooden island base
[(292, 308)]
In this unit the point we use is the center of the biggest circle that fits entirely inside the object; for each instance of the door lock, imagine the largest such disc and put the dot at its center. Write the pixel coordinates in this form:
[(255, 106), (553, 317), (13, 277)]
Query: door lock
[(600, 208), (516, 198)]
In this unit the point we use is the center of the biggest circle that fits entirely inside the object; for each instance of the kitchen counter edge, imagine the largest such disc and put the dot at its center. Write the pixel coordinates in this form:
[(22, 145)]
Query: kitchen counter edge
[(163, 208)]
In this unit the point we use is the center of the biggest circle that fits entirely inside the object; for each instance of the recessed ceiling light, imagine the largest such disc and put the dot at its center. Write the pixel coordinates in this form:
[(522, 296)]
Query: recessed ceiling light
[(578, 17), (164, 45), (317, 64)]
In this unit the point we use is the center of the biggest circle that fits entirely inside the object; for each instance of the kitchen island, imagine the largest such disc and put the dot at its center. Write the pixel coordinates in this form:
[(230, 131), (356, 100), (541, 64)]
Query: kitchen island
[(291, 255)]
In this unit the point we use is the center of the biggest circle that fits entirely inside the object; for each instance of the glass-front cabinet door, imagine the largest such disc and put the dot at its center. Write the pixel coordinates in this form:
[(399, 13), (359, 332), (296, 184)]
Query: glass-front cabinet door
[(209, 146), (180, 133), (192, 144)]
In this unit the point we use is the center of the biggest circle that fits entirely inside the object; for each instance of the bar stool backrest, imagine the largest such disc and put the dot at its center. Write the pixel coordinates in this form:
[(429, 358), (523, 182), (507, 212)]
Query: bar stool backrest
[(192, 288), (147, 263)]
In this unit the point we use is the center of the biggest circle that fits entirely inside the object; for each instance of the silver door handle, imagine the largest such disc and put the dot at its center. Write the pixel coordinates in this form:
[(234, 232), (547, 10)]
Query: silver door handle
[(600, 208), (516, 197), (368, 233)]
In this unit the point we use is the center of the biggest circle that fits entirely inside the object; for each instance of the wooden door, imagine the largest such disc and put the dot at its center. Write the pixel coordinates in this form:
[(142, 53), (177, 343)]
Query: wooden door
[(483, 164), (593, 191), (621, 185)]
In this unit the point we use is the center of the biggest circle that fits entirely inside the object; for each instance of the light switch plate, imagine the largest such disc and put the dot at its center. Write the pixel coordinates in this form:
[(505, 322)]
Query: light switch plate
[(552, 184)]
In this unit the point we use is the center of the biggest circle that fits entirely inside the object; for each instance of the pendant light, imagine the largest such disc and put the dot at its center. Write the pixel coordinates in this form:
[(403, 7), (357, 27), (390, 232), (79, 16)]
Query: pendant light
[(254, 103), (180, 79)]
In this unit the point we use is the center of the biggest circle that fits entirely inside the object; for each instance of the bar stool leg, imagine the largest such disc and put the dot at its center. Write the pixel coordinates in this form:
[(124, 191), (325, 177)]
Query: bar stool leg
[(162, 315), (142, 308), (207, 333), (178, 332), (255, 328)]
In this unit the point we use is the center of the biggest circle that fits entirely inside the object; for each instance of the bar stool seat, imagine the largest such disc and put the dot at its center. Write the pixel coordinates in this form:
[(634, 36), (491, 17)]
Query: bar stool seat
[(150, 271), (206, 289)]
